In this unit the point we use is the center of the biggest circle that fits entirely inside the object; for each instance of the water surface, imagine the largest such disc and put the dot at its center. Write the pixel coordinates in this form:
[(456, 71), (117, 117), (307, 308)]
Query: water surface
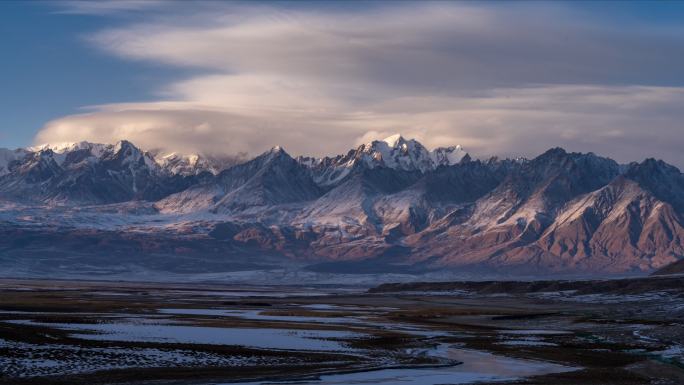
[(477, 367)]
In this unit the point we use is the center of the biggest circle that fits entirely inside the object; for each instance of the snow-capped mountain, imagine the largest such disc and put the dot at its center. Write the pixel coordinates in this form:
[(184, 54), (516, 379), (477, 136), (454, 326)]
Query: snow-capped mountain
[(408, 155), (393, 152), (94, 149), (389, 205), (87, 173), (195, 164), (170, 162), (7, 157), (272, 178)]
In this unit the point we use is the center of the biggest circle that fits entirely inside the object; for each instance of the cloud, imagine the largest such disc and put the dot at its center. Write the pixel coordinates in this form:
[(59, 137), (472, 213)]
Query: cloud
[(106, 7), (627, 123), (500, 80)]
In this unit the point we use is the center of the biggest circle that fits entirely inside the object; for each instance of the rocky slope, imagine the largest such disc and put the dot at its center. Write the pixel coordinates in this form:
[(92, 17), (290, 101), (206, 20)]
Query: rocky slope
[(671, 269), (386, 206), (88, 173), (394, 152), (194, 164)]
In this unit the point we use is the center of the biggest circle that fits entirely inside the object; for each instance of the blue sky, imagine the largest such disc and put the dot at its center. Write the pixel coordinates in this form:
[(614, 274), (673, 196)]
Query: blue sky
[(504, 78), (49, 70)]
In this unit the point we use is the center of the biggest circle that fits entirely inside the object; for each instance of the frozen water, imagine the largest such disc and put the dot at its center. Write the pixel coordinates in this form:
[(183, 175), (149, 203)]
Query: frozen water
[(285, 339)]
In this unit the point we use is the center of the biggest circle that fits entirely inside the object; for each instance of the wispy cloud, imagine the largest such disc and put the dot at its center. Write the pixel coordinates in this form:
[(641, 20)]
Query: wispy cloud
[(509, 80), (107, 7)]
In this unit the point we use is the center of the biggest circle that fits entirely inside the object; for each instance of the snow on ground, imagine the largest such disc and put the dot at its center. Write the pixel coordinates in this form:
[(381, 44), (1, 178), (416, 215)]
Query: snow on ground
[(29, 360)]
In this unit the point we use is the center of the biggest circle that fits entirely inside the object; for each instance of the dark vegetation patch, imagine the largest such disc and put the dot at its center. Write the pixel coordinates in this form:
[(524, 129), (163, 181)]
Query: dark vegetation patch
[(614, 286)]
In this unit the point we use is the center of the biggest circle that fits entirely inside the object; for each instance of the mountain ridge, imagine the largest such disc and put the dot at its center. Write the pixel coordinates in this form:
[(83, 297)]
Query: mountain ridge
[(386, 204)]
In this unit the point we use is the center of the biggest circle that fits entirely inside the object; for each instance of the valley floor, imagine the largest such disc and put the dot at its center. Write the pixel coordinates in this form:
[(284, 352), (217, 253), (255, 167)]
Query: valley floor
[(66, 332)]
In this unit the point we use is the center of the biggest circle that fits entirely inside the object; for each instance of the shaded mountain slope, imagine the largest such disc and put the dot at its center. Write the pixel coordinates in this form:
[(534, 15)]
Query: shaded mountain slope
[(390, 203)]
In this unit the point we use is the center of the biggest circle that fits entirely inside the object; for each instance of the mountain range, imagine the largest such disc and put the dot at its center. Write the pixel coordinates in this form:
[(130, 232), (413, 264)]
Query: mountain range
[(389, 206)]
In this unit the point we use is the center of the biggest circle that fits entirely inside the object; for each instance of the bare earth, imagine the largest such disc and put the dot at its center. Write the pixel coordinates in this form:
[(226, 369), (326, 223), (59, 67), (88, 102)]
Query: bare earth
[(62, 332)]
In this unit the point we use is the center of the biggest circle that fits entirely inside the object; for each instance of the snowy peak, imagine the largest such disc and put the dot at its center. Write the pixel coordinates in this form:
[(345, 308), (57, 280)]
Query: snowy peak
[(397, 153), (447, 156), (273, 156), (70, 154), (394, 152), (393, 140), (84, 173), (275, 152), (172, 163), (195, 164), (96, 149), (409, 155), (130, 155), (271, 178), (7, 157)]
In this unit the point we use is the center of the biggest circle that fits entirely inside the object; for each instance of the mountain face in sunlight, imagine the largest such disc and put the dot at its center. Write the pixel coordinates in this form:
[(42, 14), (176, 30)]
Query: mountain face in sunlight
[(387, 206)]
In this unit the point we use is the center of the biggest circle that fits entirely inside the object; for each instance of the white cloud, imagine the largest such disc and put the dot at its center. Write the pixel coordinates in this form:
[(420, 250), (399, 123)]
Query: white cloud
[(498, 80)]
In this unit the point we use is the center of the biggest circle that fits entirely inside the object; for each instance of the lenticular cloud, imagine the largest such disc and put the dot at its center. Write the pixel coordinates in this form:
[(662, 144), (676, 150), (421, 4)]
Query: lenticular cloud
[(321, 81)]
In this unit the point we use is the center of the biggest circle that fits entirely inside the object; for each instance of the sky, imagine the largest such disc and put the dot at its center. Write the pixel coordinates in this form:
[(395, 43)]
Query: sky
[(499, 78)]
